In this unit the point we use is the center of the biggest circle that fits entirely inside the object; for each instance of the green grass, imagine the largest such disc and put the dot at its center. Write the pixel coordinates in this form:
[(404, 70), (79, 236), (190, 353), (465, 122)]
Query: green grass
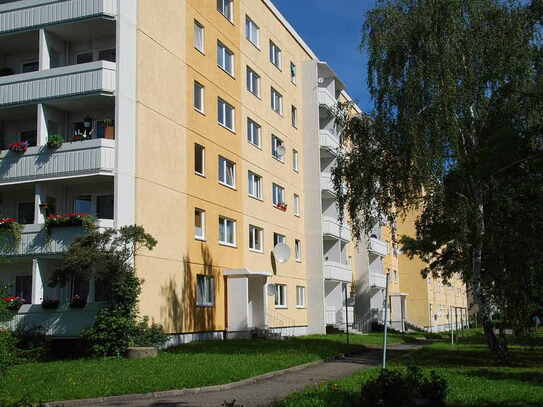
[(475, 377), (368, 339), (191, 365)]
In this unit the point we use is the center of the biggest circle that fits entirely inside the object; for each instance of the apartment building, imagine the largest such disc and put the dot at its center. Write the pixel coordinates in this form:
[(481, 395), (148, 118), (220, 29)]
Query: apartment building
[(207, 122)]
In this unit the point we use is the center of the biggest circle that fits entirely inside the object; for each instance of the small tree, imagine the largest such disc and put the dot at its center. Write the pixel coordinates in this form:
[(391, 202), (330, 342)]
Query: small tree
[(109, 256)]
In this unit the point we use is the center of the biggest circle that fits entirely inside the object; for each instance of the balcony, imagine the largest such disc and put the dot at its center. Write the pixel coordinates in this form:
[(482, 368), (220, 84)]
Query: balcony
[(377, 280), (327, 186), (331, 227), (94, 78), (91, 157), (326, 98), (34, 14), (329, 141), (338, 271), (378, 247), (35, 240)]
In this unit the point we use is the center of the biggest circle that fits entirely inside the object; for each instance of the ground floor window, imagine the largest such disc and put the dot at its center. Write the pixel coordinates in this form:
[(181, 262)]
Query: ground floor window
[(300, 296), (280, 295), (205, 291)]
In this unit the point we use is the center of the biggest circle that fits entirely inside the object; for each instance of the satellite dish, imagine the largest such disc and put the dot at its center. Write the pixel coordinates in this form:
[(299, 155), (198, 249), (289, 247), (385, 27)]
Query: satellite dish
[(281, 252)]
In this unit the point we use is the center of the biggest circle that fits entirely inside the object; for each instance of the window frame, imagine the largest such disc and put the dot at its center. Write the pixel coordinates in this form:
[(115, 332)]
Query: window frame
[(300, 295), (225, 51), (281, 294), (251, 182), (276, 55), (282, 190), (226, 220), (276, 97), (209, 286), (248, 32), (223, 164), (250, 134), (253, 232), (294, 116), (252, 78), (276, 142), (298, 250), (278, 238), (226, 8), (202, 213), (203, 154), (297, 204), (201, 90), (199, 26), (293, 73), (225, 107), (295, 160)]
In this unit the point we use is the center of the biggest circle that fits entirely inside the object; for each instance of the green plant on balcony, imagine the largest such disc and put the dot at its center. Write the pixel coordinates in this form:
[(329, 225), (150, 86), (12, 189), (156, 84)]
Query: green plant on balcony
[(10, 232), (54, 141), (87, 222), (13, 303)]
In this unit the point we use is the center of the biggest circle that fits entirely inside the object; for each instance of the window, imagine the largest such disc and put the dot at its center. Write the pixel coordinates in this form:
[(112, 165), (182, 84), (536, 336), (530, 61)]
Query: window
[(225, 58), (105, 206), (253, 82), (252, 31), (199, 159), (199, 224), (25, 213), (300, 296), (294, 116), (225, 7), (298, 250), (253, 132), (199, 97), (278, 195), (30, 67), (205, 296), (295, 161), (108, 55), (199, 38), (227, 172), (226, 114), (83, 58), (296, 205), (292, 72), (278, 238), (278, 150), (281, 295), (83, 204), (227, 231), (275, 55), (255, 185), (276, 101), (255, 238)]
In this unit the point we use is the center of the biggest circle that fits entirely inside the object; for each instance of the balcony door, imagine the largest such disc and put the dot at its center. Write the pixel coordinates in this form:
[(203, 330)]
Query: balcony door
[(23, 288)]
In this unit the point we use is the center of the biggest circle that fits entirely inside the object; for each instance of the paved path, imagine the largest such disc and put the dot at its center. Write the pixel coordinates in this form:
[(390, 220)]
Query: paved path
[(267, 391)]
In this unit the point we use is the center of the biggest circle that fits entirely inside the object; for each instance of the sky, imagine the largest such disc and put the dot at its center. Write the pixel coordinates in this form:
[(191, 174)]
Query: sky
[(333, 31)]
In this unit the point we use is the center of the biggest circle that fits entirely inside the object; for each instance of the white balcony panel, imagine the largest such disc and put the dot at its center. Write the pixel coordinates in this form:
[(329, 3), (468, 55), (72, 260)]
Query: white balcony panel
[(326, 98), (329, 140), (32, 14), (377, 280), (378, 247), (338, 272), (326, 183), (70, 160), (68, 81), (35, 240), (332, 227)]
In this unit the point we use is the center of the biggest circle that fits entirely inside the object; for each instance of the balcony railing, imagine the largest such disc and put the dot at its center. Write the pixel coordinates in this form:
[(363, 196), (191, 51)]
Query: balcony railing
[(326, 184), (377, 280), (329, 140), (338, 271), (36, 241), (378, 247), (32, 14), (326, 98), (331, 227), (68, 81), (91, 157)]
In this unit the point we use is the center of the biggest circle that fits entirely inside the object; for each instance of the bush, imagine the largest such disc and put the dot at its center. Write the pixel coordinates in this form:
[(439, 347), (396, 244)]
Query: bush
[(32, 345), (8, 351), (404, 389)]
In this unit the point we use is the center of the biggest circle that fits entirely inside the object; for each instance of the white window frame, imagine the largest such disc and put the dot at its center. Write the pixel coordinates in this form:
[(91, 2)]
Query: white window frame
[(223, 224), (224, 106), (199, 89), (202, 215), (253, 80), (281, 300), (298, 250), (249, 24), (251, 127), (226, 8), (278, 192), (255, 181), (207, 291), (224, 164), (276, 142), (293, 72), (296, 205), (278, 238), (223, 52), (295, 160), (199, 35), (256, 233), (203, 151), (275, 55), (294, 116), (276, 101), (300, 296)]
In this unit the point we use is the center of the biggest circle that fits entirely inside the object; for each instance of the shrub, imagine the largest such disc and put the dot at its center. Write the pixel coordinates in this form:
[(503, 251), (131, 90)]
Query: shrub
[(8, 351), (32, 345), (54, 142)]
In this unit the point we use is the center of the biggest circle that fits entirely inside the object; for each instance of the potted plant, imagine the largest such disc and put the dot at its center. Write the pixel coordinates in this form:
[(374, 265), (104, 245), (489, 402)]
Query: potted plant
[(54, 142), (50, 303), (14, 303), (281, 206), (19, 147), (69, 220), (77, 302)]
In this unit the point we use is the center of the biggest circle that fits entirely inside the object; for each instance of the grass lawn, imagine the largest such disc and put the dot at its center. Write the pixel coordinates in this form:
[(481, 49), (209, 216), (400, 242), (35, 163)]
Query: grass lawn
[(475, 378), (191, 365)]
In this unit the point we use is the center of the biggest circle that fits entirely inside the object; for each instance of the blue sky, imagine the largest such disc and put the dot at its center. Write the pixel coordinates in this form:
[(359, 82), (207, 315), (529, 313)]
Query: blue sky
[(333, 30)]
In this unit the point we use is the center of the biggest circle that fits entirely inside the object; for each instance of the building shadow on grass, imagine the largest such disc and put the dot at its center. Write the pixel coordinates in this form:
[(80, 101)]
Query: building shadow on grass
[(529, 377)]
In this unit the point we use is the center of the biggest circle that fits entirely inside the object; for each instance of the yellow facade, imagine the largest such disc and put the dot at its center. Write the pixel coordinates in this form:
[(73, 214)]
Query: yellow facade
[(167, 188)]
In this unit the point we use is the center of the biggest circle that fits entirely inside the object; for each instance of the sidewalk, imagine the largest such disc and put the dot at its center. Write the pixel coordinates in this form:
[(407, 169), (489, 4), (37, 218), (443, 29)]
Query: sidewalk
[(260, 393)]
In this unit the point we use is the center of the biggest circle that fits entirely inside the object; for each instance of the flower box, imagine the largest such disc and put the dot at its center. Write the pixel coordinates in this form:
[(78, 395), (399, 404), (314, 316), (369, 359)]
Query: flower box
[(50, 303), (77, 302), (281, 206), (19, 147), (14, 303), (69, 220)]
